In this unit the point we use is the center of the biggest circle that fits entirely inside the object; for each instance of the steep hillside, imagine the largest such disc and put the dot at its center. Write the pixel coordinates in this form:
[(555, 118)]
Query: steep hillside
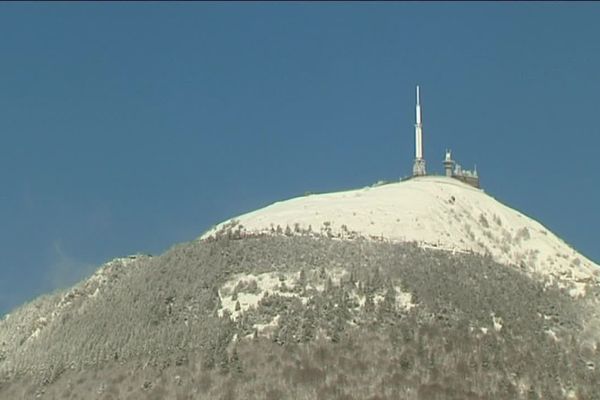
[(251, 312)]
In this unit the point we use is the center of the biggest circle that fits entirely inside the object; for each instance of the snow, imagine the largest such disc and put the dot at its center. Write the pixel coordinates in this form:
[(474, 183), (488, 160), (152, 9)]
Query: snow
[(436, 212), (87, 289), (404, 300), (497, 322), (552, 334), (248, 290), (268, 282)]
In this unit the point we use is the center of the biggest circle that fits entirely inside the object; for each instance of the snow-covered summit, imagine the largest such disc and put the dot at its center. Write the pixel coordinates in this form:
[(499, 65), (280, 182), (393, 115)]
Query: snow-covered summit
[(437, 212)]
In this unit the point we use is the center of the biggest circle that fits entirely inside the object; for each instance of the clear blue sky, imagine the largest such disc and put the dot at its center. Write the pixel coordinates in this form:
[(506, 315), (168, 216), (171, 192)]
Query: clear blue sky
[(131, 127)]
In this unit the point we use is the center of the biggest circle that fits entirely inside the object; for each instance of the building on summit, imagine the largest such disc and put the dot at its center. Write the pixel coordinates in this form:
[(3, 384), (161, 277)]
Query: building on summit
[(452, 168)]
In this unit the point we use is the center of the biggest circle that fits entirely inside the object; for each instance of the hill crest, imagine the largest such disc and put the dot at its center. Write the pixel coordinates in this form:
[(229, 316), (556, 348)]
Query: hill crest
[(434, 211)]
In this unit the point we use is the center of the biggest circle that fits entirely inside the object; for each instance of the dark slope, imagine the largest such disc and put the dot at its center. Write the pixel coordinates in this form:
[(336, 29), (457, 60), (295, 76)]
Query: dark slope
[(156, 328)]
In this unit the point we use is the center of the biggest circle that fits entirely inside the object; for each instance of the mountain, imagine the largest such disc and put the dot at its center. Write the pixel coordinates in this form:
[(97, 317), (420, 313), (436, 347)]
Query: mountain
[(422, 289)]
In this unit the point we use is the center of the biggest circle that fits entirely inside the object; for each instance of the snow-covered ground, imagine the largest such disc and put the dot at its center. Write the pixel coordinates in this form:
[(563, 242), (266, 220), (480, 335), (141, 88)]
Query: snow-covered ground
[(436, 212), (245, 291)]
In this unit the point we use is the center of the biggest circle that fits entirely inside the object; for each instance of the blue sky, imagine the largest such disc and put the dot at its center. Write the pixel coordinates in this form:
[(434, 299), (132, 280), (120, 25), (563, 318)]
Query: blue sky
[(131, 127)]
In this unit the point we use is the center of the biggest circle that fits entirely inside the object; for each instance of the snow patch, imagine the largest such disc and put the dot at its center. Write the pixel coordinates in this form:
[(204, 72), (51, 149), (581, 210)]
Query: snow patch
[(552, 334), (578, 289), (248, 290), (404, 299), (243, 292), (266, 329), (497, 322)]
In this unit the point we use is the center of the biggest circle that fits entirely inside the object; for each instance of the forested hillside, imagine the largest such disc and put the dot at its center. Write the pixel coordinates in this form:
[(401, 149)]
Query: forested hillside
[(271, 317)]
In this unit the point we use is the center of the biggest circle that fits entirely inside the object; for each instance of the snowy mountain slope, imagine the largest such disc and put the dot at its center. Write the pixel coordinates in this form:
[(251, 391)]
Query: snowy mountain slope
[(227, 318), (436, 212), (35, 317)]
